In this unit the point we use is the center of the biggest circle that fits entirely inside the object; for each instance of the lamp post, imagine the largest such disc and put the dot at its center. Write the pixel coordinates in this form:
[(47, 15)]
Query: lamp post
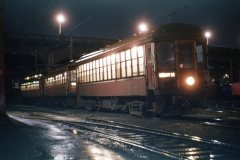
[(60, 19), (208, 35)]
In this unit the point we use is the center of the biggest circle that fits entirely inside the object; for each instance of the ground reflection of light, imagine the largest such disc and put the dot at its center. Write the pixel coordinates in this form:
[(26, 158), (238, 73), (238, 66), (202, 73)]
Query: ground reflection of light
[(219, 111), (195, 138), (75, 131), (59, 157), (176, 134), (217, 119), (54, 129), (216, 142), (191, 149), (100, 153), (191, 152), (210, 123), (62, 151), (193, 157), (212, 156), (59, 150)]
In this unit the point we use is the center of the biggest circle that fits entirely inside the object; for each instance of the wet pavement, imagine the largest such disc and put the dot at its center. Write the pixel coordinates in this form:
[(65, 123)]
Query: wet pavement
[(33, 139), (27, 139)]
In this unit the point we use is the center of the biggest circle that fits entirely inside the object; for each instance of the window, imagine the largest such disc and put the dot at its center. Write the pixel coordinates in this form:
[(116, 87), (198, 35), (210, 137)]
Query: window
[(141, 66), (140, 51), (134, 61), (64, 77), (128, 55), (94, 74), (113, 69), (84, 74), (135, 67), (87, 73), (165, 55), (109, 73), (148, 53), (118, 66), (199, 53), (30, 86), (123, 69), (128, 63), (185, 55), (101, 70), (140, 60), (73, 77), (123, 65), (129, 68), (97, 70), (80, 74), (58, 79), (90, 72), (104, 68)]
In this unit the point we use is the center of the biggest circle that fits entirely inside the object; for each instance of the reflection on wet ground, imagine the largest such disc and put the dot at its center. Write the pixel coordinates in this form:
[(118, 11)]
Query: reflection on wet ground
[(57, 136)]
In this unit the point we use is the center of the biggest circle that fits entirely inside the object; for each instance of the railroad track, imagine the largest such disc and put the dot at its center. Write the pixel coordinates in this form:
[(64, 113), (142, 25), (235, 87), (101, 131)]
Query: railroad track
[(171, 145), (154, 143)]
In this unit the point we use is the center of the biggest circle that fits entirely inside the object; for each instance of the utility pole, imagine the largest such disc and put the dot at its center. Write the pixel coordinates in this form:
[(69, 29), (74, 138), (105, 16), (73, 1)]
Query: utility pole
[(71, 48), (36, 62), (2, 72)]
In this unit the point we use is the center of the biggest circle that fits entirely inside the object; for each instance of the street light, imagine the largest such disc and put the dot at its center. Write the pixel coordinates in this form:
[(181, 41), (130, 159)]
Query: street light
[(61, 19), (142, 27), (208, 35)]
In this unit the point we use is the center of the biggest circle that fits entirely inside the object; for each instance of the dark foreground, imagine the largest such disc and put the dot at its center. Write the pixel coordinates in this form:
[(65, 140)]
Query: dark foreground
[(24, 138)]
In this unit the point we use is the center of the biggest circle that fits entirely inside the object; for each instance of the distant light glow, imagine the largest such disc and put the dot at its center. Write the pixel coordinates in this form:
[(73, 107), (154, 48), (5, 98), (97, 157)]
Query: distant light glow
[(60, 18), (208, 34), (143, 27), (226, 76)]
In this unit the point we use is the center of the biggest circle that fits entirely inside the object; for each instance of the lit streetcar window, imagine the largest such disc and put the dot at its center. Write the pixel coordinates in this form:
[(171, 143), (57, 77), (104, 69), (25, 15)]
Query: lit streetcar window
[(140, 51), (123, 68), (134, 67)]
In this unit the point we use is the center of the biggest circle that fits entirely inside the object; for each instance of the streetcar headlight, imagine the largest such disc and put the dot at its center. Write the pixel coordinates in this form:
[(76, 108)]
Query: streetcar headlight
[(190, 80)]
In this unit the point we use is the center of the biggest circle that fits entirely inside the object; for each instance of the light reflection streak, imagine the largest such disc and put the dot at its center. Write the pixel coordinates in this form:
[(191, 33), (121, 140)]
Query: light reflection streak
[(209, 123), (193, 157), (191, 152), (100, 153), (212, 156), (216, 142), (195, 138), (60, 150)]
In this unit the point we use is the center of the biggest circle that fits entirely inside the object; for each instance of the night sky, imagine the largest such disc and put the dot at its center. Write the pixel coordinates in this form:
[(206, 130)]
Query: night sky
[(118, 18)]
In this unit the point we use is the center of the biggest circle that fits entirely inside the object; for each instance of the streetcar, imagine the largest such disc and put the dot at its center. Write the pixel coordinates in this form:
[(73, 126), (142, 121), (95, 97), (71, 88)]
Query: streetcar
[(155, 72)]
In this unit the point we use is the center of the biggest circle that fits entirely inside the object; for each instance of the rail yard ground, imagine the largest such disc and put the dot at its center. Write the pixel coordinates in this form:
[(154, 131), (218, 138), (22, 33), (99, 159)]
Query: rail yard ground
[(30, 134)]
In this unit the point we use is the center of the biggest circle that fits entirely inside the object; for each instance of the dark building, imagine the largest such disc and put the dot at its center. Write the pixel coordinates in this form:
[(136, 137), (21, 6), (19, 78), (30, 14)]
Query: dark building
[(224, 70), (29, 54), (224, 64)]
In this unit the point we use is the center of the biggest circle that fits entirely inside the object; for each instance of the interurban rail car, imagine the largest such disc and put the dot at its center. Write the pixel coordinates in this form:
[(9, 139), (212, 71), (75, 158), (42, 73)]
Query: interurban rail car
[(158, 71)]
